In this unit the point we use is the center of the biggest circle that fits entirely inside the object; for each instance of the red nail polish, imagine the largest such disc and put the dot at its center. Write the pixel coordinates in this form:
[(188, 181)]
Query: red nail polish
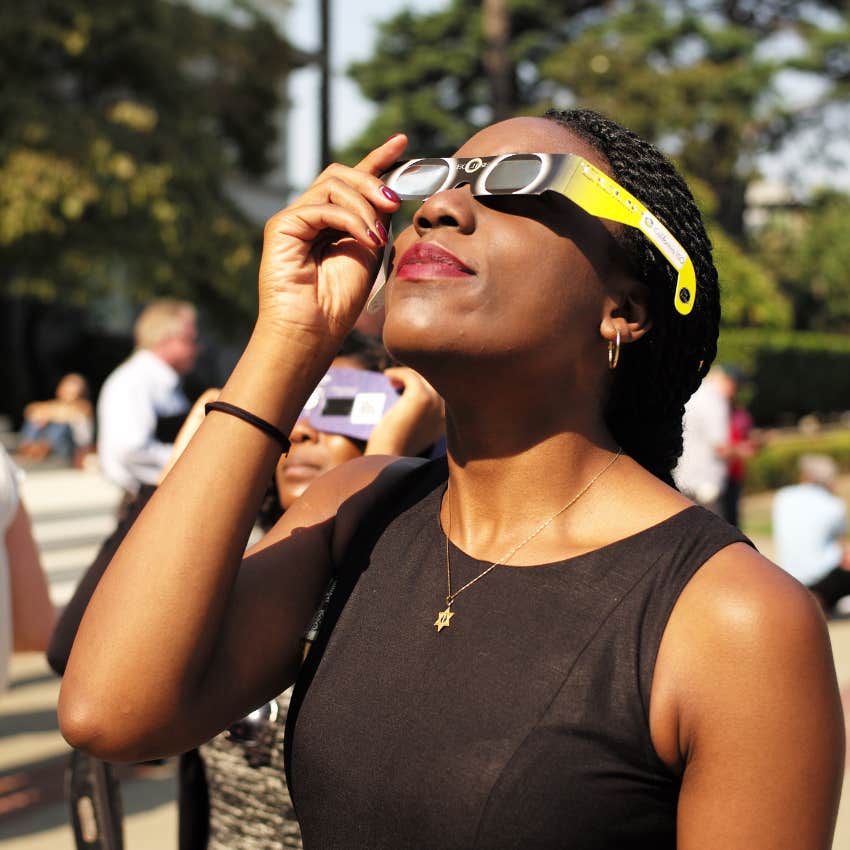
[(373, 236), (382, 231), (390, 195)]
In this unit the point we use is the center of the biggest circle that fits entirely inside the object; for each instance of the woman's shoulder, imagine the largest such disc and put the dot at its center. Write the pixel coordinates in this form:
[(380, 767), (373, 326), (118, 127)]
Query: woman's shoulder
[(741, 603), (347, 494), (745, 640), (373, 481), (741, 592), (745, 702)]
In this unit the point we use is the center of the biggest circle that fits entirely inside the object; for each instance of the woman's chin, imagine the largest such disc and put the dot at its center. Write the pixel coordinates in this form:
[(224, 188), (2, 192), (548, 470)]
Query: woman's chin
[(415, 325), (290, 490)]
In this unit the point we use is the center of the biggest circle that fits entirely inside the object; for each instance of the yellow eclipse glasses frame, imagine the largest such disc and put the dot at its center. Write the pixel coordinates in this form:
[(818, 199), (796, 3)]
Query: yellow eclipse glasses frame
[(534, 173)]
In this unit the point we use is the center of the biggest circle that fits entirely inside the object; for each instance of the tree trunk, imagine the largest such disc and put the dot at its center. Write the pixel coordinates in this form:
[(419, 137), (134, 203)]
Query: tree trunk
[(496, 61)]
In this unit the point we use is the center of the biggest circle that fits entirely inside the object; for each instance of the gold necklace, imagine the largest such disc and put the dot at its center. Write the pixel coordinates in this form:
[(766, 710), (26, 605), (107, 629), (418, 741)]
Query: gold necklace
[(444, 617)]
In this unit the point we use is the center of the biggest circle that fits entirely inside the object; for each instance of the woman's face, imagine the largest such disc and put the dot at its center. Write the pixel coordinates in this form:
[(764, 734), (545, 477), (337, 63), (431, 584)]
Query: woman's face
[(313, 452), (71, 388), (523, 279)]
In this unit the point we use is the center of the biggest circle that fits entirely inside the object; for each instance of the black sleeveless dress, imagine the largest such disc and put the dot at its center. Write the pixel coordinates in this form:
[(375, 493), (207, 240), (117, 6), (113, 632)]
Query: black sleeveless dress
[(525, 724)]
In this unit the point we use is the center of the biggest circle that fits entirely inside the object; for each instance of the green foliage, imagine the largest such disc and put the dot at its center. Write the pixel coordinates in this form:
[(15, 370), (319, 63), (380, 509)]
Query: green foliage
[(119, 125), (777, 464), (694, 76), (809, 253), (428, 75), (749, 294), (699, 84), (791, 373)]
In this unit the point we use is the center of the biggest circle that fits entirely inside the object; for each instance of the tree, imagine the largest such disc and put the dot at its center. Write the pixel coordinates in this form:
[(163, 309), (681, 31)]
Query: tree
[(119, 125), (703, 79), (808, 251), (430, 77)]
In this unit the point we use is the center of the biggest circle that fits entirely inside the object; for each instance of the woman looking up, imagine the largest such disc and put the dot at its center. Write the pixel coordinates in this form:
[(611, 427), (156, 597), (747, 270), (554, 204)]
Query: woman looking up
[(538, 643)]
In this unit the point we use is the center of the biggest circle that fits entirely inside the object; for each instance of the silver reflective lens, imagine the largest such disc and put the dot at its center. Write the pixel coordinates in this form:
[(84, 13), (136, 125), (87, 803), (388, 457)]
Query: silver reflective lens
[(422, 179), (512, 174)]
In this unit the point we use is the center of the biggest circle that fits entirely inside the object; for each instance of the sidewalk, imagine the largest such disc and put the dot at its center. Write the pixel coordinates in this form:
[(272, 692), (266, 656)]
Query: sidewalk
[(72, 511), (33, 812)]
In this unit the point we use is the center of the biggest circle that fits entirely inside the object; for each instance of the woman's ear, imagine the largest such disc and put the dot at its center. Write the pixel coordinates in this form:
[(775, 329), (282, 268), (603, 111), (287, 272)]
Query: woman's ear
[(627, 313)]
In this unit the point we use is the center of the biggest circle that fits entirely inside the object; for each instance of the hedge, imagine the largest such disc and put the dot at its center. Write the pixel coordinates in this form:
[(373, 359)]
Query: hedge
[(777, 464), (790, 373)]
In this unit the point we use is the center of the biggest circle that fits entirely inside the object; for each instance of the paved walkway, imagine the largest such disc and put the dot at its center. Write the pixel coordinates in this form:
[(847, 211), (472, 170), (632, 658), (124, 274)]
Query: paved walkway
[(72, 512)]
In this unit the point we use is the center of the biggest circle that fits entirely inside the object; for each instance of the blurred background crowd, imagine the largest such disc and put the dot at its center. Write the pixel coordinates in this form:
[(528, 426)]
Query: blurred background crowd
[(142, 145)]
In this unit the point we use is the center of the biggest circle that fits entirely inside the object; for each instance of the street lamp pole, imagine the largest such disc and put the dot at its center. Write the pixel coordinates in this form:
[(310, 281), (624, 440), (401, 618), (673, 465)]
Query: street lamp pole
[(325, 87)]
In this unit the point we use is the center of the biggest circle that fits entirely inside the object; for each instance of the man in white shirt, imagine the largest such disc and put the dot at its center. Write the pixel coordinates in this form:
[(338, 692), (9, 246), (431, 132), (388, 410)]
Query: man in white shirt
[(702, 469), (143, 392), (809, 528)]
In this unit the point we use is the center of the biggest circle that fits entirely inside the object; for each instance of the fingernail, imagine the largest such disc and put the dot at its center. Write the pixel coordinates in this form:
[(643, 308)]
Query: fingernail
[(390, 195), (373, 236), (382, 231), (394, 136)]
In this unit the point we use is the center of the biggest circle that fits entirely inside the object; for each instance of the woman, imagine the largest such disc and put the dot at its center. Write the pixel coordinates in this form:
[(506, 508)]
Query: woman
[(552, 647), (232, 791), (63, 425)]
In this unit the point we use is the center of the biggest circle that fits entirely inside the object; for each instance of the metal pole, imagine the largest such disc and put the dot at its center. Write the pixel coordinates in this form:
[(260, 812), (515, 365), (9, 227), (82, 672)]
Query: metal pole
[(325, 87)]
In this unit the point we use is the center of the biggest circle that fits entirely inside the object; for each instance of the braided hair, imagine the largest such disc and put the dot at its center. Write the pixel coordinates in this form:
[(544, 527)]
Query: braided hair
[(657, 374)]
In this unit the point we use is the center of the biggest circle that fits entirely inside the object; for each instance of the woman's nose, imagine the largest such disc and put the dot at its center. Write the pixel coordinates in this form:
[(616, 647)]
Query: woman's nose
[(303, 432), (453, 208)]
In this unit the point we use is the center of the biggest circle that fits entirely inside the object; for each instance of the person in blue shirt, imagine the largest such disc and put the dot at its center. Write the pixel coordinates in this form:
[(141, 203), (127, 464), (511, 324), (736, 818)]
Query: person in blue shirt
[(810, 528)]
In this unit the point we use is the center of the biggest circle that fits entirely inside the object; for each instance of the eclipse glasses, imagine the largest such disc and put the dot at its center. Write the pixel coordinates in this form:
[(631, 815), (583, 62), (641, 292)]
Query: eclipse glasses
[(534, 173), (350, 402)]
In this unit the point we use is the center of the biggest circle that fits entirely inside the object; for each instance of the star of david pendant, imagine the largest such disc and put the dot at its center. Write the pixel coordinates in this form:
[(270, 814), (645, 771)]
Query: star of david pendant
[(443, 618)]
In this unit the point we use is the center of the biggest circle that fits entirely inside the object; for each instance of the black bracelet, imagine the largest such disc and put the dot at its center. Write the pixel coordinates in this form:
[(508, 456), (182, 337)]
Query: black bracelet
[(245, 416)]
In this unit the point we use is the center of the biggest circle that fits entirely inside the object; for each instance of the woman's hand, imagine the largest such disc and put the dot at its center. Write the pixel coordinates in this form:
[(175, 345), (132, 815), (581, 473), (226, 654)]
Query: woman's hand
[(414, 423), (320, 253)]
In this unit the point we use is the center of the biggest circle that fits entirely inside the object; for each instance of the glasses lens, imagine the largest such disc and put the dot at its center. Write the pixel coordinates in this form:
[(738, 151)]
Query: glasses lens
[(421, 179), (512, 174)]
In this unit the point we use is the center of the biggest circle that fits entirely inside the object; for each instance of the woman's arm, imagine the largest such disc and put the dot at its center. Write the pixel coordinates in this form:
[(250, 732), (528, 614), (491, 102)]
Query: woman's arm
[(33, 614), (179, 639), (745, 695)]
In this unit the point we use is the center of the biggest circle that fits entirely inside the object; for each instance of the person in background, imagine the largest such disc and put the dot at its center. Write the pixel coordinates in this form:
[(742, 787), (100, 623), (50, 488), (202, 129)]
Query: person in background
[(701, 472), (232, 790), (62, 426), (810, 530), (141, 405), (26, 612), (744, 442)]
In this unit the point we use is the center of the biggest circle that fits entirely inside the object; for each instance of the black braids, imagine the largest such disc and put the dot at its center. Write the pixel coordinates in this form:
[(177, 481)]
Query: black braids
[(658, 374)]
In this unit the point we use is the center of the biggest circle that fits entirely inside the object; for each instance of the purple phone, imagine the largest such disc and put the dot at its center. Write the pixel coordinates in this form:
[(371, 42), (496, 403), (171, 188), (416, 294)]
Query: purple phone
[(350, 402)]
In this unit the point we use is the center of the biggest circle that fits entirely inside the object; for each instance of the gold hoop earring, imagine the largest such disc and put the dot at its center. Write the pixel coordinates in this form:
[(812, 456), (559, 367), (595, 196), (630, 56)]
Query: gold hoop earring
[(614, 352)]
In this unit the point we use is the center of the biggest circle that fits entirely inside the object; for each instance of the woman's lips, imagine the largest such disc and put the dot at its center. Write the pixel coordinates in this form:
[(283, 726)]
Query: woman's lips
[(427, 261)]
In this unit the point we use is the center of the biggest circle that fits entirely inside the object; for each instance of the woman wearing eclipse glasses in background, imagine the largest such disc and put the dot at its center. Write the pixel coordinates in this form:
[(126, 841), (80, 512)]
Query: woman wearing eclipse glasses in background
[(537, 642), (232, 792)]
